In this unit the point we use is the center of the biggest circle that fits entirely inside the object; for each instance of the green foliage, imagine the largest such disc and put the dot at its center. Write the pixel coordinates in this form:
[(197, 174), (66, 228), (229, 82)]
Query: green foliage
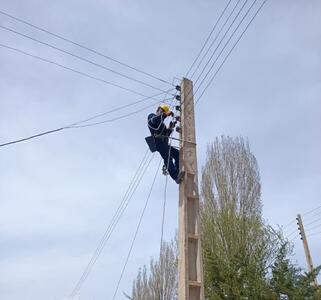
[(237, 247), (243, 257), (289, 282), (237, 253), (160, 282)]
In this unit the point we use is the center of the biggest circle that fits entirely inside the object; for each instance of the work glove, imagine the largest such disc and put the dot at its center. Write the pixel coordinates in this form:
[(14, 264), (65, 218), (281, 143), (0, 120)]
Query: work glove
[(172, 124)]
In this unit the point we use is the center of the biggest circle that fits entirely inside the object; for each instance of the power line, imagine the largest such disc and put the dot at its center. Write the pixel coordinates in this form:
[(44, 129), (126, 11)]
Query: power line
[(164, 208), (107, 234), (71, 69), (295, 238), (165, 192), (80, 58), (226, 32), (305, 225), (314, 227), (161, 283), (290, 223), (218, 34), (116, 118), (312, 210), (317, 214), (229, 53), (75, 125), (111, 226), (139, 174), (293, 232), (117, 109), (32, 137), (310, 223), (208, 38), (231, 36), (212, 45), (136, 232), (82, 46), (308, 212), (315, 233), (121, 208), (165, 189)]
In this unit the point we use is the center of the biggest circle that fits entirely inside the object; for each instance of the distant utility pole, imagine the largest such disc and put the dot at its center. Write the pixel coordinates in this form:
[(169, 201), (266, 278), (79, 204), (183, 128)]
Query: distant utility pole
[(190, 269), (306, 246)]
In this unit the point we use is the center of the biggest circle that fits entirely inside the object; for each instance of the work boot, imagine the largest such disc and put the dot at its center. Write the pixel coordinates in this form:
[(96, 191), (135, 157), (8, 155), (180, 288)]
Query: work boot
[(180, 177)]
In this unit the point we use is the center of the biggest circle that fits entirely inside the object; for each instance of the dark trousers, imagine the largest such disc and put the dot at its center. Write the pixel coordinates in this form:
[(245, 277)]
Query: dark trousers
[(171, 158)]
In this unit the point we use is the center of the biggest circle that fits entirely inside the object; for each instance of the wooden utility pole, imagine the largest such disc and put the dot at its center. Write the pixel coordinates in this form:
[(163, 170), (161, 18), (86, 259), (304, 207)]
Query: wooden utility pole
[(190, 269), (306, 247)]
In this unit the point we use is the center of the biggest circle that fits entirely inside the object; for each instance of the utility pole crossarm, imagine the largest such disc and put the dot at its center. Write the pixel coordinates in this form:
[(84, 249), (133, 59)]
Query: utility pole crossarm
[(190, 284)]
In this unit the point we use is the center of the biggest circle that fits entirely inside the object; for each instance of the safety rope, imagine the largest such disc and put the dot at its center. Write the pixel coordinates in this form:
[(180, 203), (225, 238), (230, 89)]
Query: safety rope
[(163, 216)]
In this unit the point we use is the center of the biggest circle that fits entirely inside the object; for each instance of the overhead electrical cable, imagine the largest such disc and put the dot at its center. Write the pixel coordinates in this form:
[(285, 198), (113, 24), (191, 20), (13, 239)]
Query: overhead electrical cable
[(165, 190), (119, 108), (161, 277), (72, 70), (222, 39), (161, 283), (311, 211), (164, 205), (315, 233), (116, 118), (82, 46), (304, 214), (118, 214), (295, 238), (80, 58), (224, 46), (32, 137), (288, 224), (76, 124), (217, 35), (208, 38), (137, 230), (229, 53), (312, 222), (292, 232), (147, 159), (314, 227), (121, 208), (316, 214)]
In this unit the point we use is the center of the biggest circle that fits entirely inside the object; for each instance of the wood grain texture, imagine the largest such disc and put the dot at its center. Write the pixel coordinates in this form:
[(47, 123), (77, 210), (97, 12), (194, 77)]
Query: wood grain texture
[(190, 283)]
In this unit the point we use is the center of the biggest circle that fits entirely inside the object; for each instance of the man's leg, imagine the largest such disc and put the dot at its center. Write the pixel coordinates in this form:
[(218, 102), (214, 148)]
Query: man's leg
[(175, 156), (166, 154)]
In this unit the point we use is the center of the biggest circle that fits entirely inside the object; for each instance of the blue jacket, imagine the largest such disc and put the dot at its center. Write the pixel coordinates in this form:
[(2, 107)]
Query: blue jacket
[(157, 127)]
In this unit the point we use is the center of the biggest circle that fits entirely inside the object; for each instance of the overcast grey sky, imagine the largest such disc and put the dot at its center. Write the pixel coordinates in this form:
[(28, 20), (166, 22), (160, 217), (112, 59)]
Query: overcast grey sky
[(59, 192)]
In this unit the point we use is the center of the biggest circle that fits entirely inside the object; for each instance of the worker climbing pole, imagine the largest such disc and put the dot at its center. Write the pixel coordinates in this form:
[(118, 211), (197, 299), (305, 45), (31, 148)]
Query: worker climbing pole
[(190, 270), (182, 167), (158, 141)]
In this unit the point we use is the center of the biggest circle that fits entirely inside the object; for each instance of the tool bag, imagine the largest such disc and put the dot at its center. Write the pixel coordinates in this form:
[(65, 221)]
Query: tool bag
[(150, 140)]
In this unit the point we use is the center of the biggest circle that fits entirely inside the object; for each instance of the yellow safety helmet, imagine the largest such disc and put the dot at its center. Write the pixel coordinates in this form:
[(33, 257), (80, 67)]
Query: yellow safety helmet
[(164, 107)]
